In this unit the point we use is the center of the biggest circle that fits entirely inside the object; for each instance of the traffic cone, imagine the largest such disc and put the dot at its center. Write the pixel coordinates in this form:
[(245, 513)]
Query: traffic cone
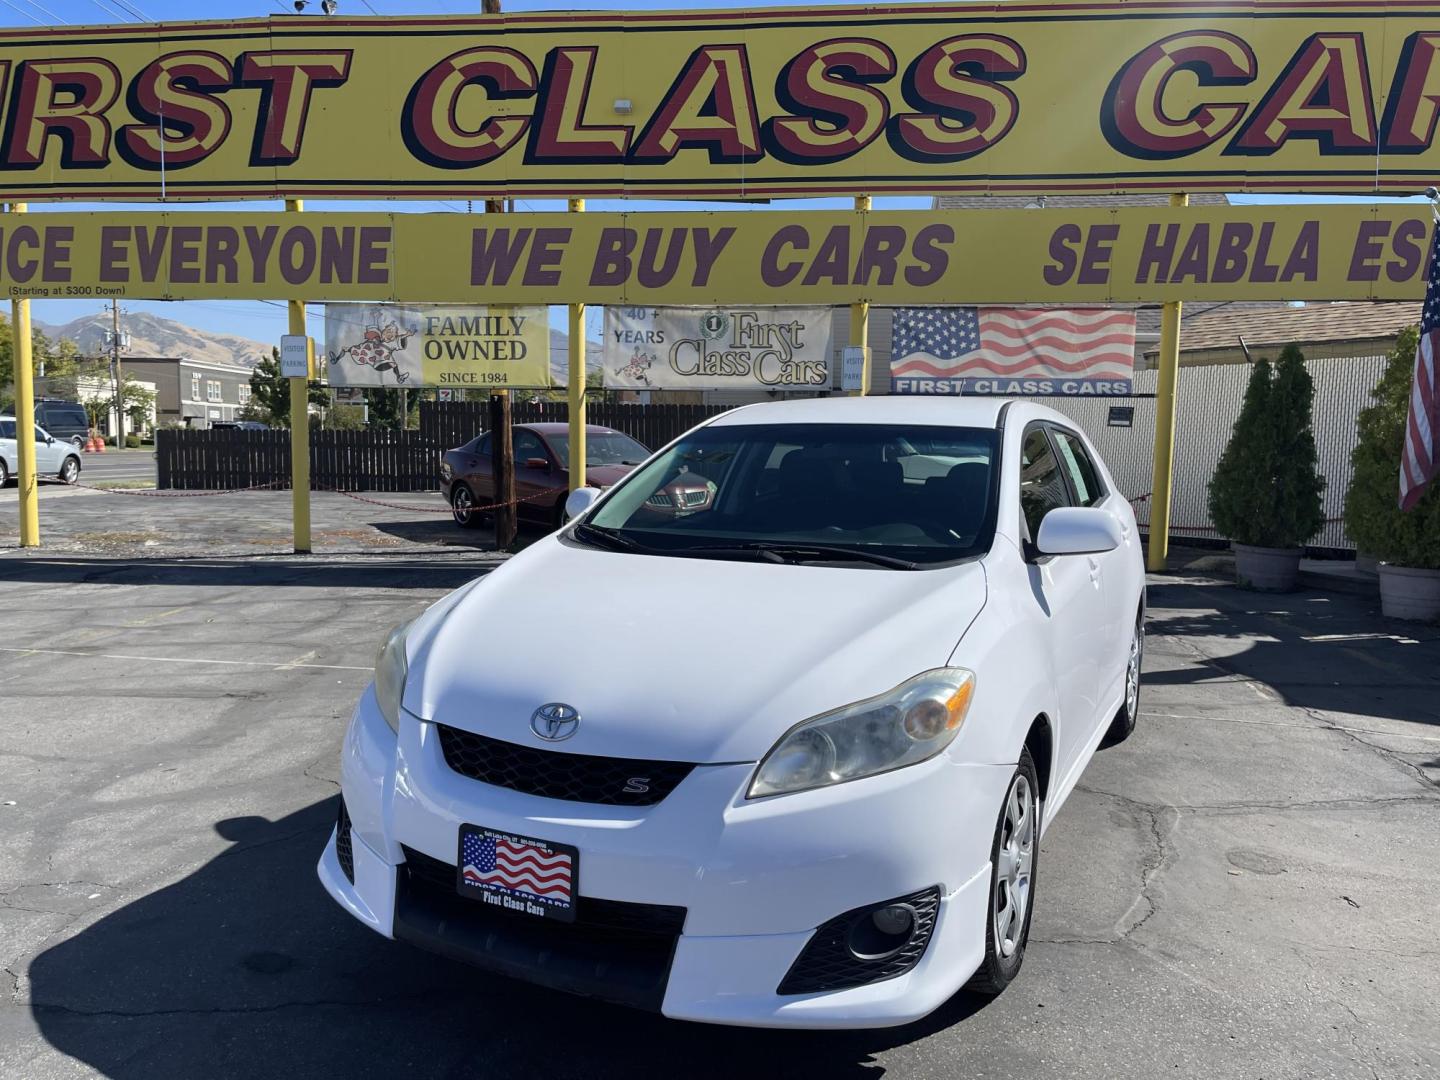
[(90, 443), (99, 445)]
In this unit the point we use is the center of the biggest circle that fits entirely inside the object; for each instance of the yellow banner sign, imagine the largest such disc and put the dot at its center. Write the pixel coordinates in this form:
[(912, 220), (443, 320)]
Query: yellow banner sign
[(1040, 97), (435, 345), (1311, 252)]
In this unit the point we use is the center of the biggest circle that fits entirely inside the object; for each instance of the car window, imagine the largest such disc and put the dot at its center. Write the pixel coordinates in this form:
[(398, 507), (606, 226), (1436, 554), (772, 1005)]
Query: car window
[(481, 445), (7, 429), (602, 448), (923, 494), (1042, 487), (40, 434), (1080, 469), (527, 445)]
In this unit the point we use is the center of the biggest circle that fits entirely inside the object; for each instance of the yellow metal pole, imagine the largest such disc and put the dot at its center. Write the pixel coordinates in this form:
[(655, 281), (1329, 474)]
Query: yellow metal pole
[(860, 317), (1159, 546), (299, 429), (25, 417), (576, 380)]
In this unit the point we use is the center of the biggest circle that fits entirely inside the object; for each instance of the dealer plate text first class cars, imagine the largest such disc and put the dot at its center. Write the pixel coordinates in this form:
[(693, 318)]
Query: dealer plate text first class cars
[(833, 668)]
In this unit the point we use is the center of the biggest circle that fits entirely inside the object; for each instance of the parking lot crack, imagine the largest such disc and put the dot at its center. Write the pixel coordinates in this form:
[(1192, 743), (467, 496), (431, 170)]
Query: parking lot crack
[(1384, 753)]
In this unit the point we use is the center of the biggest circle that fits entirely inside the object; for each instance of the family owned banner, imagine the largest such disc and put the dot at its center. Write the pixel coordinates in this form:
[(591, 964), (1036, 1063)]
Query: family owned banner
[(718, 348), (436, 345), (1001, 350)]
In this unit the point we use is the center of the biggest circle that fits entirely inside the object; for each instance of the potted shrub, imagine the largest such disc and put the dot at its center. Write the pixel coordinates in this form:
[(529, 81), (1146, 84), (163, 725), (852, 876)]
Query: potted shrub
[(1265, 494), (1406, 541)]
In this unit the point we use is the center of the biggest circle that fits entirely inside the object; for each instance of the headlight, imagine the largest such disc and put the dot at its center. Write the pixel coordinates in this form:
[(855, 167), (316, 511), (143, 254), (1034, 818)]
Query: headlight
[(391, 668), (911, 723)]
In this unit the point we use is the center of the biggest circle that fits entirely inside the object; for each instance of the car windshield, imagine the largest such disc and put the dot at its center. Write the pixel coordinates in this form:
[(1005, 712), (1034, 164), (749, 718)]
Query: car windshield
[(602, 448), (871, 493)]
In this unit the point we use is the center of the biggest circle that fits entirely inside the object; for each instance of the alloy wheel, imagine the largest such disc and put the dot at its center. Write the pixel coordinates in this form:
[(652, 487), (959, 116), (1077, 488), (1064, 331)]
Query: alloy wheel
[(460, 503), (1015, 862), (70, 472), (1132, 674)]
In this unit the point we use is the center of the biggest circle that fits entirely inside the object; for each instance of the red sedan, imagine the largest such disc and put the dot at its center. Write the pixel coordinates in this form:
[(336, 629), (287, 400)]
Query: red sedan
[(542, 471)]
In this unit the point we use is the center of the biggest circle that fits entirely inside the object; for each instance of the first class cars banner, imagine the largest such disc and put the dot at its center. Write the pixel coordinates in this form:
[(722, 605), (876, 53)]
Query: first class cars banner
[(436, 345), (900, 258), (1012, 97), (720, 348)]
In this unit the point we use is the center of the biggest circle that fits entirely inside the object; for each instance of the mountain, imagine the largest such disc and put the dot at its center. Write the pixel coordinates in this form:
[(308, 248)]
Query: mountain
[(151, 335), (560, 356)]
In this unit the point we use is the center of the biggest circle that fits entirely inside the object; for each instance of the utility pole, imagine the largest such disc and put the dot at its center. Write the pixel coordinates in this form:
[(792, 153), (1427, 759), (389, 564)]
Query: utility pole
[(501, 445), (299, 426), (119, 374)]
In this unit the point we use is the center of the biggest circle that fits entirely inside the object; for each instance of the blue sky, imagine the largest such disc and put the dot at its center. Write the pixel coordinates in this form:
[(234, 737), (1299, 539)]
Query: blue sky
[(265, 322)]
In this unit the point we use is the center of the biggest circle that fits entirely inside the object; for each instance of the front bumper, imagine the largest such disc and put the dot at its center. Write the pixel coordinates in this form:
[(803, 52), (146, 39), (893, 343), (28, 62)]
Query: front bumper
[(754, 879)]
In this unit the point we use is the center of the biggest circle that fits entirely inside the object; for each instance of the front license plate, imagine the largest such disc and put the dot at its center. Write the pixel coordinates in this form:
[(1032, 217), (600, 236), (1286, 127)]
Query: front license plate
[(520, 874)]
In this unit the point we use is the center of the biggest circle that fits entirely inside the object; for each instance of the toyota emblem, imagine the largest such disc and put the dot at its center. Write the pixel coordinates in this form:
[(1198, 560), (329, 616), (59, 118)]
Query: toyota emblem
[(555, 722)]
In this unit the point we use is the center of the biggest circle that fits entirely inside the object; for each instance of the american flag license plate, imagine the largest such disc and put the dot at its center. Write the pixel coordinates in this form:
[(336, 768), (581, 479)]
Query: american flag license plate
[(518, 874)]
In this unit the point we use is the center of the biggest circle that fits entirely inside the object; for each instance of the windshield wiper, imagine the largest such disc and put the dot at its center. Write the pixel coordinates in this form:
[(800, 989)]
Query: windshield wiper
[(799, 553), (599, 536)]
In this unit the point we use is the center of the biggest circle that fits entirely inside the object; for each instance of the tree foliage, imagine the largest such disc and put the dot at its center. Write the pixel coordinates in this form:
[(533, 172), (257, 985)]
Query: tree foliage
[(1267, 489), (58, 358), (1372, 503), (270, 393), (384, 405)]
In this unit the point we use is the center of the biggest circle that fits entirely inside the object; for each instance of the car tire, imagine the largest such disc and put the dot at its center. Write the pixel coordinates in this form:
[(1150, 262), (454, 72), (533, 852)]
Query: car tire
[(77, 442), (462, 503), (70, 470), (4, 473), (1014, 855), (1123, 725)]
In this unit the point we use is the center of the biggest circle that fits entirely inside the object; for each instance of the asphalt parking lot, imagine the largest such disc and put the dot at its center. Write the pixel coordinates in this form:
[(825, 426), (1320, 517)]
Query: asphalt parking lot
[(1248, 888)]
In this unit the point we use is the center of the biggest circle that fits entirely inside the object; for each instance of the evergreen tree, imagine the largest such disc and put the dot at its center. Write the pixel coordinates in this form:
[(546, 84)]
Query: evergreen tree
[(1372, 503), (270, 392), (1266, 491)]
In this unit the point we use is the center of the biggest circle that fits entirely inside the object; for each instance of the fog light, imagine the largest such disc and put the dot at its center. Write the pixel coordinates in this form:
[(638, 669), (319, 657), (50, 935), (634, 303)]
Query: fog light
[(882, 932)]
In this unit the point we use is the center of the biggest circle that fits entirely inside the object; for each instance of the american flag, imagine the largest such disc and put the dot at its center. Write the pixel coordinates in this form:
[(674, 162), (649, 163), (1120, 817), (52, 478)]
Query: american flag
[(516, 865), (1419, 461), (1044, 343)]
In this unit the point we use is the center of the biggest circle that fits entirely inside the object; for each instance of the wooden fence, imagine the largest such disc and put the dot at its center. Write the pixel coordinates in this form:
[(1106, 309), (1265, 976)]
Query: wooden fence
[(379, 460)]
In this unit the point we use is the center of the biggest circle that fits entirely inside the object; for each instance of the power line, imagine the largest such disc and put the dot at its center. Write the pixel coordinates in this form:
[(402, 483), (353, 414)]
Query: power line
[(20, 11), (48, 13), (132, 8), (114, 13)]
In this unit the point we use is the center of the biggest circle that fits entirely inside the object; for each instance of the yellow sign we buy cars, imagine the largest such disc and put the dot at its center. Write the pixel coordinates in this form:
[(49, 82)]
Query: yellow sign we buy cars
[(1010, 97), (1053, 255)]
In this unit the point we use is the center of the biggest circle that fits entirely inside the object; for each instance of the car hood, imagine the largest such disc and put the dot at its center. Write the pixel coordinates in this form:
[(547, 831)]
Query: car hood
[(602, 476), (678, 659)]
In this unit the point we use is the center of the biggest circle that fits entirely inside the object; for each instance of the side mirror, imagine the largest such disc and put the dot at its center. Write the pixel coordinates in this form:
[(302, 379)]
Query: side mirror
[(1078, 530), (537, 463), (580, 500)]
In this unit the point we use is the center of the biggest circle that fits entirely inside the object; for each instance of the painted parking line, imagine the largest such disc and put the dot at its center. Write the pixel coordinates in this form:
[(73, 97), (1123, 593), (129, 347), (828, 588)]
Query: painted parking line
[(289, 665)]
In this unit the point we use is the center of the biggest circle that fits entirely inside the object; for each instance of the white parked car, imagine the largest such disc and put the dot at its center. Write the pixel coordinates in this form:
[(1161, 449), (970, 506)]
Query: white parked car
[(53, 457), (769, 733)]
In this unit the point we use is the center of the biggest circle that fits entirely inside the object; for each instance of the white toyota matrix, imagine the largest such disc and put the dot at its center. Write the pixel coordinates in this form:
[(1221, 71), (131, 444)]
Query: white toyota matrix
[(770, 732)]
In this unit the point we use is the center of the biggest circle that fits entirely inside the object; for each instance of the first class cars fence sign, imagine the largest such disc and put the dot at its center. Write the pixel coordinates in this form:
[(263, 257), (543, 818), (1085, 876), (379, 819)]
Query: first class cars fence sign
[(720, 348), (902, 258), (1030, 97)]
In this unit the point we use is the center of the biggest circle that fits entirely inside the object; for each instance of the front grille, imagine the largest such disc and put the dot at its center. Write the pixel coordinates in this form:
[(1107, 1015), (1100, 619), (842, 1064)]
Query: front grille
[(613, 950), (572, 777), (343, 849), (826, 962)]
